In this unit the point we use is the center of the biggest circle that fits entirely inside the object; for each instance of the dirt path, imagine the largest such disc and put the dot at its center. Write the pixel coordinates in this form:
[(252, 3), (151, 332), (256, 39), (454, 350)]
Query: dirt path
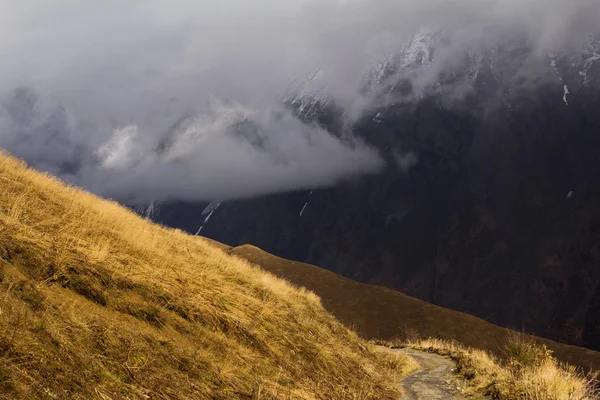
[(435, 381)]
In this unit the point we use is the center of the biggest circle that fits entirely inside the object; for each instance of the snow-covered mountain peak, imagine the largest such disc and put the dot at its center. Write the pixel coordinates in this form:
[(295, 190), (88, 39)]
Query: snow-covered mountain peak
[(417, 52), (420, 49)]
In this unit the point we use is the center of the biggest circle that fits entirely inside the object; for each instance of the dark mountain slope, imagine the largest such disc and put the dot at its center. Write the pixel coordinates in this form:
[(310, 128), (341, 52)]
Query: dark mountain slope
[(381, 313), (499, 219), (490, 201)]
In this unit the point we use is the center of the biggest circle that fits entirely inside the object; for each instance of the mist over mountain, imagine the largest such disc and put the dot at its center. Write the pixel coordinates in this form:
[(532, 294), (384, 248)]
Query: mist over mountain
[(163, 101), (488, 200), (488, 203)]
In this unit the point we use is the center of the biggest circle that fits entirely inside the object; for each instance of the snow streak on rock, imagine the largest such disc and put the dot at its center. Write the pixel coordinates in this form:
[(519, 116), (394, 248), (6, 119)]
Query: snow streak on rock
[(210, 209), (305, 204)]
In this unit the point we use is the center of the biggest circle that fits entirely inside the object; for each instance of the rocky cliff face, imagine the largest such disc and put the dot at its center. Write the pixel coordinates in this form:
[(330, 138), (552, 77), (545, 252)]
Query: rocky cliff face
[(490, 203)]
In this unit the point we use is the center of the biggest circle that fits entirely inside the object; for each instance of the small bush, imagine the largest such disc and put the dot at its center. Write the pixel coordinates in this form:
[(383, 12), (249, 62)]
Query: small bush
[(530, 372), (523, 351)]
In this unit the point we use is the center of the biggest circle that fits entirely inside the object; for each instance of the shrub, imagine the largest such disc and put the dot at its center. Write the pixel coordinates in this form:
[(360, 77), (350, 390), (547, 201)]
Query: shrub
[(522, 351)]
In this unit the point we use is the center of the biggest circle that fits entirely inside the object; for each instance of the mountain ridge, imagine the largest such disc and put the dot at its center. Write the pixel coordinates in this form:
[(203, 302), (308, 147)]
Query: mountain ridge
[(380, 313)]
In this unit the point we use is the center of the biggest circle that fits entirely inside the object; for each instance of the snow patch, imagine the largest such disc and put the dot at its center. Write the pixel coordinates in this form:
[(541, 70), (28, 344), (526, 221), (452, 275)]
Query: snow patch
[(151, 211), (210, 209), (553, 58), (419, 50), (305, 204), (303, 208), (591, 54), (475, 66), (378, 118), (565, 95), (308, 95), (570, 194)]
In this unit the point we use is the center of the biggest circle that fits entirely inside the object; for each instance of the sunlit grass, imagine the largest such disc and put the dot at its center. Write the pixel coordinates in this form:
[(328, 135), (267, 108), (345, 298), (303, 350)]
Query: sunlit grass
[(529, 371), (96, 302)]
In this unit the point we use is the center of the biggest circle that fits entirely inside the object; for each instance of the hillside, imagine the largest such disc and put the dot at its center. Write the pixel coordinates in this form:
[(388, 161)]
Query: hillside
[(96, 302), (381, 313)]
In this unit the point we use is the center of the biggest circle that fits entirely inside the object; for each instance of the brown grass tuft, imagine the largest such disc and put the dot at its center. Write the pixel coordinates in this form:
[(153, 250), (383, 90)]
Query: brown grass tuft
[(98, 303)]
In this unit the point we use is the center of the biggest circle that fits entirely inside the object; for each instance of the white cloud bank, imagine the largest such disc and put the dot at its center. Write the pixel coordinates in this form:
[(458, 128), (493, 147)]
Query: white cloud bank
[(178, 99)]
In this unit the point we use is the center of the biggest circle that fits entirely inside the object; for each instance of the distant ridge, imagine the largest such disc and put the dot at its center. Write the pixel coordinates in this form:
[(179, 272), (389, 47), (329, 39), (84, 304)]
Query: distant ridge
[(380, 313)]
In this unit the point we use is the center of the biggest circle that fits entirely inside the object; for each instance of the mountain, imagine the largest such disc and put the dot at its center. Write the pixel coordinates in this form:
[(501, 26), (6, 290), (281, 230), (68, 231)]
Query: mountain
[(98, 303), (489, 203)]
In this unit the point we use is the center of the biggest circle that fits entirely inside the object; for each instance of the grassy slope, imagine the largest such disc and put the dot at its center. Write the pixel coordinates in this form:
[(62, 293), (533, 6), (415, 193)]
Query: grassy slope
[(529, 373), (96, 302), (380, 313)]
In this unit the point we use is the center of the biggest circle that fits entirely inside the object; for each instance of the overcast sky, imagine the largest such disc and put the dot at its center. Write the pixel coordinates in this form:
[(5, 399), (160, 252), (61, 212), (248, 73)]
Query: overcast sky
[(108, 81)]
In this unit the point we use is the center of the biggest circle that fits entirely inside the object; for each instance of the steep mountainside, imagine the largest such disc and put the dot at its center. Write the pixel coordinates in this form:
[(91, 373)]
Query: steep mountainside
[(98, 303), (490, 202)]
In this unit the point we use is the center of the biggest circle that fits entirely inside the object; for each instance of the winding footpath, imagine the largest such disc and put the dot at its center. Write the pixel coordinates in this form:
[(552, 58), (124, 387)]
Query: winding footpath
[(435, 381)]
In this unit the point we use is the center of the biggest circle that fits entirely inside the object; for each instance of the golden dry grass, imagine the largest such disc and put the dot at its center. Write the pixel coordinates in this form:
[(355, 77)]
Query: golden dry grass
[(96, 302), (541, 377), (381, 313)]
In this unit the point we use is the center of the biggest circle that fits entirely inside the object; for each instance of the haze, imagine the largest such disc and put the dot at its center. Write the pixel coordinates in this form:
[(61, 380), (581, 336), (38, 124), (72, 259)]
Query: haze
[(91, 91)]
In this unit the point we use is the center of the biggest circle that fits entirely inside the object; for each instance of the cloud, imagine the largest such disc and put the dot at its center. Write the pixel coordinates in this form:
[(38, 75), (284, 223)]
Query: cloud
[(180, 99), (260, 151), (406, 161)]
